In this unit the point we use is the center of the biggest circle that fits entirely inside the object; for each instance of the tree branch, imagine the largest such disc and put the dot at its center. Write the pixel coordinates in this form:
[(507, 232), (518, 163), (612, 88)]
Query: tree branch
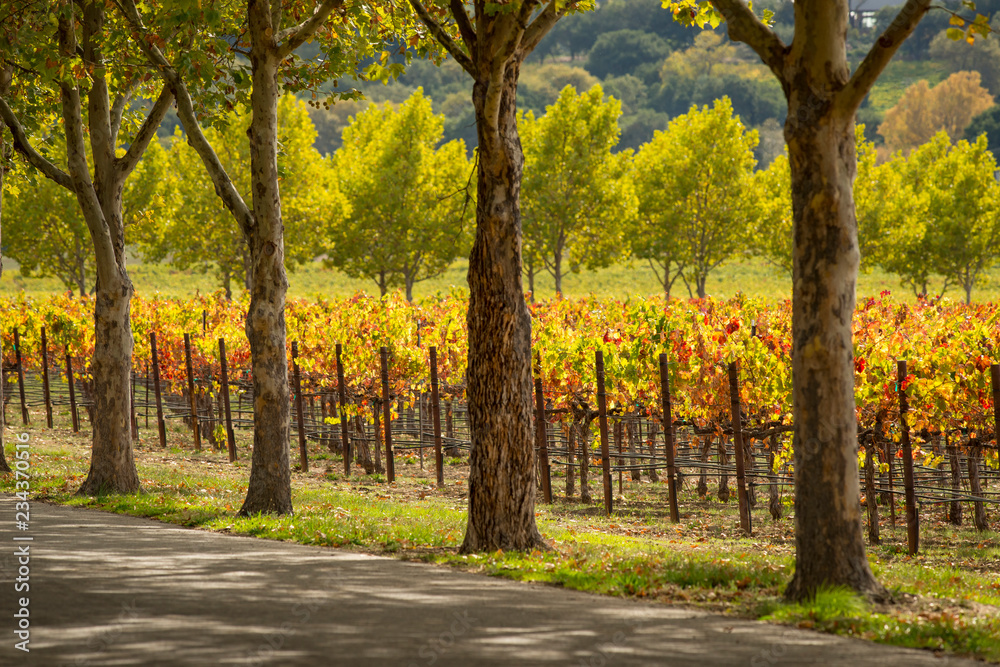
[(444, 38), (541, 26), (464, 25), (224, 187), (118, 109), (744, 26), (24, 147), (851, 96), (294, 37), (126, 163)]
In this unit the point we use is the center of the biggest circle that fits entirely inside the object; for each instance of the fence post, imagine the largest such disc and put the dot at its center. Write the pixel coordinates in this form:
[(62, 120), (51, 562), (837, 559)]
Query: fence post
[(342, 397), (161, 426), (191, 395), (436, 417), (45, 380), (20, 376), (303, 454), (668, 436), (72, 394), (541, 439), (390, 464), (602, 417), (135, 419), (145, 405), (741, 485), (224, 388), (912, 520)]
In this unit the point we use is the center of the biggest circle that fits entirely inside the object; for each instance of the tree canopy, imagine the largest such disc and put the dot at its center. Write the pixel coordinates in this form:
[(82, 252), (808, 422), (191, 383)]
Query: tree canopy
[(577, 197), (410, 207), (696, 195)]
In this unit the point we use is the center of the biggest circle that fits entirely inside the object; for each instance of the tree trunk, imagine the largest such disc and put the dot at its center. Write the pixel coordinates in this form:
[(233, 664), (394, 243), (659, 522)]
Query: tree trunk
[(557, 273), (700, 285), (502, 460), (409, 289), (269, 489), (830, 549)]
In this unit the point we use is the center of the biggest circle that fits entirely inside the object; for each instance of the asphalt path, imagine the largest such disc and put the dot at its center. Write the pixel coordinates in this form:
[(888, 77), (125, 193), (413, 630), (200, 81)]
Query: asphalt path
[(107, 589)]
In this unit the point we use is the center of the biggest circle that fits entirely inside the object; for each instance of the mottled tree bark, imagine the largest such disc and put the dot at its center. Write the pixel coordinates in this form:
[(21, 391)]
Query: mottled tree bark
[(269, 489), (112, 466), (502, 462), (823, 97)]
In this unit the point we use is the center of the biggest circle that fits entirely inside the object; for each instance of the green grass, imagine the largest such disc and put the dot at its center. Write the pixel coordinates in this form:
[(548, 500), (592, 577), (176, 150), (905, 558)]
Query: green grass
[(947, 595), (841, 611), (751, 275)]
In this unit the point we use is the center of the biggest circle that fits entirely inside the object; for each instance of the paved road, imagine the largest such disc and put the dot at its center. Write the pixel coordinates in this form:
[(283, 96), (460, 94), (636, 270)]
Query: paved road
[(116, 590)]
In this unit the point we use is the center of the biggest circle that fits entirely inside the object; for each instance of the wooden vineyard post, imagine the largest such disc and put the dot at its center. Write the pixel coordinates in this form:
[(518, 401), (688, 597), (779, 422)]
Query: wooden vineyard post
[(741, 486), (224, 388), (191, 395), (342, 398), (74, 415), (135, 418), (668, 438), (303, 454), (45, 380), (602, 416), (145, 406), (204, 322), (912, 520), (870, 504), (161, 426), (390, 464), (20, 376), (436, 418), (541, 440)]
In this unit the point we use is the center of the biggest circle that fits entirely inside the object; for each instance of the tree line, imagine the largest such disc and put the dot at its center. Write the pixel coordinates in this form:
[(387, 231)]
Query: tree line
[(394, 203), (90, 62)]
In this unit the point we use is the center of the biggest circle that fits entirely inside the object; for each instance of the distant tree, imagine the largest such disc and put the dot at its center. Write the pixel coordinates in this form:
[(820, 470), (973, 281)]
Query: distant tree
[(46, 234), (988, 123), (576, 196), (696, 201), (957, 56), (541, 85), (627, 89), (639, 127), (888, 211), (410, 216), (577, 33), (924, 111), (195, 230), (711, 68), (623, 51), (772, 231), (963, 207)]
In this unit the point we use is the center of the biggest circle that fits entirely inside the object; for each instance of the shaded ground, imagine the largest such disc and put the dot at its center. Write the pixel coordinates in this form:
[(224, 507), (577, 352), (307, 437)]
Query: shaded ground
[(116, 590)]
